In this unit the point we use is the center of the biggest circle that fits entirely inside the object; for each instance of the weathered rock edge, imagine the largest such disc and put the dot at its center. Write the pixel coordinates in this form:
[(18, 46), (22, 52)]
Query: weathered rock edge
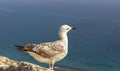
[(7, 64)]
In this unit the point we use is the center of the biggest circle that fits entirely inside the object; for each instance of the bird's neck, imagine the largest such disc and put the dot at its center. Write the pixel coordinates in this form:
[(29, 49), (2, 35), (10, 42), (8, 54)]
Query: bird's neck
[(63, 37)]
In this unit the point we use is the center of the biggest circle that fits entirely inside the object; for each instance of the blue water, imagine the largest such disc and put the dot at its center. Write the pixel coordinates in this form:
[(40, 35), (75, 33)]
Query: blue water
[(93, 46)]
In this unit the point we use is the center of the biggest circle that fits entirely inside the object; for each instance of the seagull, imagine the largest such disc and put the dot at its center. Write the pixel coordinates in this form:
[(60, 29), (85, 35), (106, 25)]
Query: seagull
[(49, 52)]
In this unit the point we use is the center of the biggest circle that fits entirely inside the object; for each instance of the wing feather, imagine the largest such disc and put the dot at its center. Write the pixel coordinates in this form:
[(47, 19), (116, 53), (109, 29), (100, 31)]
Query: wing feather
[(47, 50)]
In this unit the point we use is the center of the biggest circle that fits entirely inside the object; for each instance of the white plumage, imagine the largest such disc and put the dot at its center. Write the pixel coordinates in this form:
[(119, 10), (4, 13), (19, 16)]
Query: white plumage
[(49, 52)]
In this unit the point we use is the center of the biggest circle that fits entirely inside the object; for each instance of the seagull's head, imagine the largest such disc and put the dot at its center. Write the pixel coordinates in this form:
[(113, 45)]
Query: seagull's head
[(66, 28)]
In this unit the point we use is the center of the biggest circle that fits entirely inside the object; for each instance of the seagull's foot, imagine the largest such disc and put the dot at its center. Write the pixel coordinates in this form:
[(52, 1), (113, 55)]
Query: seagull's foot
[(49, 69)]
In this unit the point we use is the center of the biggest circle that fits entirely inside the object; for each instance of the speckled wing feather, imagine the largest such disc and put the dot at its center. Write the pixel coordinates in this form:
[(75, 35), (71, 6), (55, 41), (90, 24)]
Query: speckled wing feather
[(47, 50)]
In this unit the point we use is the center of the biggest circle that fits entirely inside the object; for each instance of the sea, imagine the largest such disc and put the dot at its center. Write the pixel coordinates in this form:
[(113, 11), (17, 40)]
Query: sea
[(93, 46)]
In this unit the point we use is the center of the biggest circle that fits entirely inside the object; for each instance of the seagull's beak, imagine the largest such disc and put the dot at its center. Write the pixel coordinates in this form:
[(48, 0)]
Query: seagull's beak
[(73, 28)]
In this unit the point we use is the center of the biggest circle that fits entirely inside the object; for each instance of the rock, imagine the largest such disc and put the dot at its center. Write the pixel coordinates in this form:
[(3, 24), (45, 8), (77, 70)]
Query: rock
[(12, 65), (7, 64)]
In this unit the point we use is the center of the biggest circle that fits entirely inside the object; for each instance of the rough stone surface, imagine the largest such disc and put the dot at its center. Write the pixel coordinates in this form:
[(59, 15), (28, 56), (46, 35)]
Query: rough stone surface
[(7, 64)]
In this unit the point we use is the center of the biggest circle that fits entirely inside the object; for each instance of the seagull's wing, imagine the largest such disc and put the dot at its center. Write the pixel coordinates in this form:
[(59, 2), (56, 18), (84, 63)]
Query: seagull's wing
[(47, 50)]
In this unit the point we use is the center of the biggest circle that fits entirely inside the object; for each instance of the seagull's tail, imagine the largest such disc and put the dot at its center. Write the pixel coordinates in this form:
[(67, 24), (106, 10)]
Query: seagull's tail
[(21, 48)]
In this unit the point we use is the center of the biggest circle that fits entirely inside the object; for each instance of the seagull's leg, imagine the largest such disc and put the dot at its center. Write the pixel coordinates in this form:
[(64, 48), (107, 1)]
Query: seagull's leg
[(53, 66)]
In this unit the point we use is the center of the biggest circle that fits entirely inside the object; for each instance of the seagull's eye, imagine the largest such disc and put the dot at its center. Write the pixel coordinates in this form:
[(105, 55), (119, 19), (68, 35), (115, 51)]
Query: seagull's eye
[(67, 28)]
